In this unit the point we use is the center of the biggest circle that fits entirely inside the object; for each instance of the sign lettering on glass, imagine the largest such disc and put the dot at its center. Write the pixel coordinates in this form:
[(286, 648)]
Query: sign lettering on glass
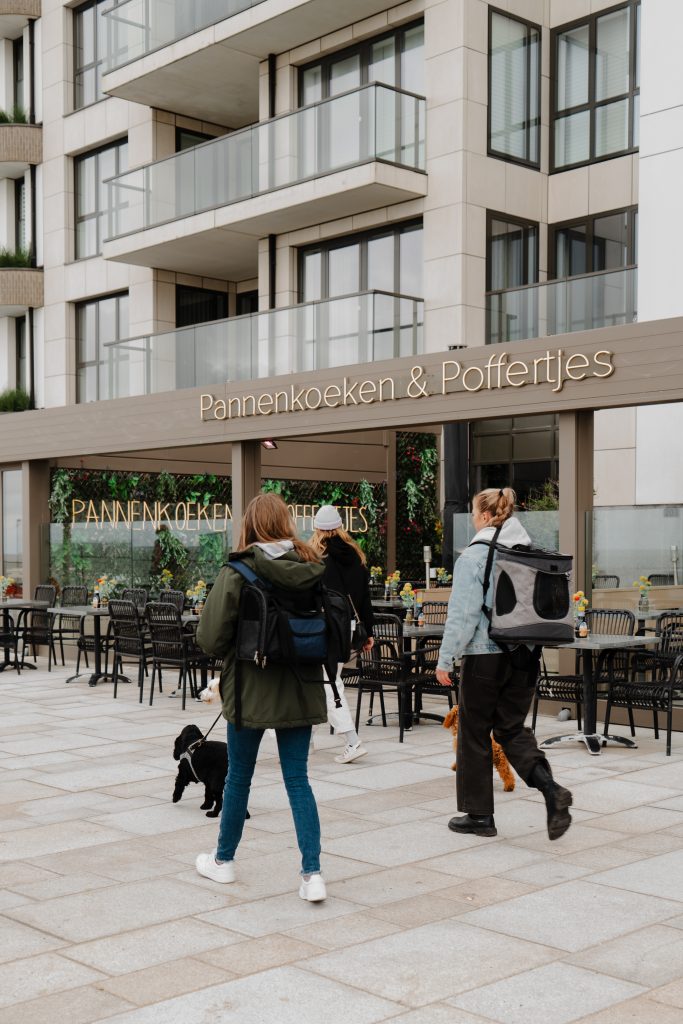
[(191, 516), (554, 368)]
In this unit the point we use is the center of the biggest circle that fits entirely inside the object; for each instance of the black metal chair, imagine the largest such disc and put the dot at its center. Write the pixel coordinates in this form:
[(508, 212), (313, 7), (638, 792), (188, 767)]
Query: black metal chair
[(661, 579), (424, 660), (654, 681), (381, 668), (176, 597), (129, 640), (568, 689), (9, 640), (36, 626), (603, 582), (173, 647), (435, 612), (68, 627)]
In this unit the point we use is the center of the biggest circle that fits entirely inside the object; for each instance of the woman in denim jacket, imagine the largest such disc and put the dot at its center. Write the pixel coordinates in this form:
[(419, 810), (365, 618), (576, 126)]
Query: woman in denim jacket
[(496, 688)]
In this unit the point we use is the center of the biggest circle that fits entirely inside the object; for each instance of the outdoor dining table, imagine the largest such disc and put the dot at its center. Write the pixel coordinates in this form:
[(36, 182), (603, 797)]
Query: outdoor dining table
[(642, 618), (19, 604), (590, 647)]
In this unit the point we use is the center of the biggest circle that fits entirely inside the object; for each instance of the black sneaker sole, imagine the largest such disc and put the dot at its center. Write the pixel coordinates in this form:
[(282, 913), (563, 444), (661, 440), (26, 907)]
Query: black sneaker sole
[(561, 819)]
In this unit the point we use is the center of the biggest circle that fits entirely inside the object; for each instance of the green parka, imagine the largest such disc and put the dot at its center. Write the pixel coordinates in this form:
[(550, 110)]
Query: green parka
[(272, 697)]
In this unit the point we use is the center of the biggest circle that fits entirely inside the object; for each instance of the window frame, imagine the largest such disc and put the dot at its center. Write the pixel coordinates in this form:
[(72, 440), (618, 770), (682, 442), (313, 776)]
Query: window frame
[(490, 151), (361, 238), (97, 361), (522, 222), (99, 58), (592, 105), (215, 293), (589, 223), (475, 433), (363, 49), (21, 191), (116, 144)]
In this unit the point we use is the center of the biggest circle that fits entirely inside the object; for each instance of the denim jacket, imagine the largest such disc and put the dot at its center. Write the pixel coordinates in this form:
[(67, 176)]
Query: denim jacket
[(467, 628)]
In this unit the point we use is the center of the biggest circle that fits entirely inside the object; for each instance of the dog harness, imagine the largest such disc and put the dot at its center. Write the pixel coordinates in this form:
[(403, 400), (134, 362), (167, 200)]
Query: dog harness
[(187, 756)]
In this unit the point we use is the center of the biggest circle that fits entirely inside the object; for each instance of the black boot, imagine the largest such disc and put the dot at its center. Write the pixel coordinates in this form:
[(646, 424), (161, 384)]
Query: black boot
[(557, 799), (474, 825)]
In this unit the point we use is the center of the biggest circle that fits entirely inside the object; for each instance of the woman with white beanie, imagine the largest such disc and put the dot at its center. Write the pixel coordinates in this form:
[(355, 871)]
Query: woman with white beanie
[(345, 572)]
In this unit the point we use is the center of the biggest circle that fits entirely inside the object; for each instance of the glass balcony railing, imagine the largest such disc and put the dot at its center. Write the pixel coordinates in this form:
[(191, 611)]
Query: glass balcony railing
[(559, 307), (350, 330), (137, 27), (376, 122)]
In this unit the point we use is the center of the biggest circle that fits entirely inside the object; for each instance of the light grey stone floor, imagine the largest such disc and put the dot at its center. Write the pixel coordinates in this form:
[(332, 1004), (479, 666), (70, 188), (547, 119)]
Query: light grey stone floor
[(103, 917)]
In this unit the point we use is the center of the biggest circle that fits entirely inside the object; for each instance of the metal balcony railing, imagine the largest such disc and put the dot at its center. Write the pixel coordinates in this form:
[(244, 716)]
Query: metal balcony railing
[(137, 27), (344, 331), (376, 122), (560, 307)]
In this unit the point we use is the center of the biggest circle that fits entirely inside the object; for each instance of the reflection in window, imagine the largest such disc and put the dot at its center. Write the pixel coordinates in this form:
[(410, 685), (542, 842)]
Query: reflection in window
[(90, 47), (596, 87), (521, 453), (12, 516), (606, 242), (515, 88)]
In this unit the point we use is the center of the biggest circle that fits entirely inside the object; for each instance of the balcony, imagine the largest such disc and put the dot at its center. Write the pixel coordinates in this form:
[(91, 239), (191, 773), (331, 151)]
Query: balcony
[(21, 288), (350, 330), (15, 16), (201, 57), (21, 146), (560, 307), (203, 210)]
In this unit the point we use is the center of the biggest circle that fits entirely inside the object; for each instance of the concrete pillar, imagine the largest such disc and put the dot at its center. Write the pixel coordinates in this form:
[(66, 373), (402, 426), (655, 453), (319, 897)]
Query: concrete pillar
[(576, 490), (392, 506), (246, 481), (35, 519)]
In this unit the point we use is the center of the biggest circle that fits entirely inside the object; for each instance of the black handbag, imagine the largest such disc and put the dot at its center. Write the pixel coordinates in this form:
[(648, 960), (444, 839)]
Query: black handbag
[(360, 635)]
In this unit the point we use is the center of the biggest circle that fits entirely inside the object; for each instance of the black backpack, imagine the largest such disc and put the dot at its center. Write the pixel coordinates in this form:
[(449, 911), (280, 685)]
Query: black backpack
[(290, 628)]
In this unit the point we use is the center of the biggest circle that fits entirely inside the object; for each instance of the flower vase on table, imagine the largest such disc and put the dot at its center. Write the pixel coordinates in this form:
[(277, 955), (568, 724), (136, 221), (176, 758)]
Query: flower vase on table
[(643, 603), (643, 584), (580, 605)]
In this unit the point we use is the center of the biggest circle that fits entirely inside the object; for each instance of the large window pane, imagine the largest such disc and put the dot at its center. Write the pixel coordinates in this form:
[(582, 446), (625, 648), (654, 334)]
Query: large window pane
[(98, 323), (572, 68), (610, 242), (92, 195), (412, 61), (383, 61), (514, 74), (345, 75), (411, 263), (512, 255), (612, 55), (571, 256), (381, 263), (12, 515), (611, 128), (344, 270), (572, 139)]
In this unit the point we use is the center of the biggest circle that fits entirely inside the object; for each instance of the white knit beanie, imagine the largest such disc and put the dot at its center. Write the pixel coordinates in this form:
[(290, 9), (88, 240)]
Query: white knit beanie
[(327, 518)]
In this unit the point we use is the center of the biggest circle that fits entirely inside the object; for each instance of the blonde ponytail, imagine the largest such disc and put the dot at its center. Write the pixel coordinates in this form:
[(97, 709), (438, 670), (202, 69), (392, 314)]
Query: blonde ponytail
[(498, 502)]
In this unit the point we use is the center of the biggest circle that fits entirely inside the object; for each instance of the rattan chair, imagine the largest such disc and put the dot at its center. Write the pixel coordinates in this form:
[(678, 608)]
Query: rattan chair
[(35, 628), (655, 679), (138, 595), (568, 689), (67, 628), (435, 612), (129, 640), (602, 582), (176, 597), (173, 647)]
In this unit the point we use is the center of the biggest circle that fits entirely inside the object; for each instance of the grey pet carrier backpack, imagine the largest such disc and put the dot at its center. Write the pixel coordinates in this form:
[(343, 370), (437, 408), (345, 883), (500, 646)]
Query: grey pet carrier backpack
[(531, 602)]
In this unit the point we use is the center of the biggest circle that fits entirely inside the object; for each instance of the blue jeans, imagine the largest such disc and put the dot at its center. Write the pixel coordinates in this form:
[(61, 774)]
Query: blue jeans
[(243, 746)]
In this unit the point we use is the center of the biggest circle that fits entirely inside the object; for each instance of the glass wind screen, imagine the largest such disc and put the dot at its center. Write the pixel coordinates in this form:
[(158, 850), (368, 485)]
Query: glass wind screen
[(360, 328), (374, 122), (633, 541)]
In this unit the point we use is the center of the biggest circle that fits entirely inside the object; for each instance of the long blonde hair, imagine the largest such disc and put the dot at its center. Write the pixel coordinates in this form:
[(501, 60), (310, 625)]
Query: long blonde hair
[(267, 518), (499, 502), (321, 539)]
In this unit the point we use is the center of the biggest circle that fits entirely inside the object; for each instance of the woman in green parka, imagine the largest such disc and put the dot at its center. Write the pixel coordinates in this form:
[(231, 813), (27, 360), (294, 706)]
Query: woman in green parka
[(272, 697)]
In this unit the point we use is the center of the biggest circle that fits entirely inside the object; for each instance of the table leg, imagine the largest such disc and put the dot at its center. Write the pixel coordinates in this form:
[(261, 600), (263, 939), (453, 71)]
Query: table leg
[(5, 628)]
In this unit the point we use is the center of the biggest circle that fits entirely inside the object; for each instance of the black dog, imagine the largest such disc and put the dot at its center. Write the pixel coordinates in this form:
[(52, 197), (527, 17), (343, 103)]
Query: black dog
[(208, 763)]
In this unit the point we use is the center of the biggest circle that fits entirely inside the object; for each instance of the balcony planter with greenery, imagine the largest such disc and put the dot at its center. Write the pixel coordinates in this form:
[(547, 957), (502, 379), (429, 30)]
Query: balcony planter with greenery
[(15, 258), (17, 115), (14, 400)]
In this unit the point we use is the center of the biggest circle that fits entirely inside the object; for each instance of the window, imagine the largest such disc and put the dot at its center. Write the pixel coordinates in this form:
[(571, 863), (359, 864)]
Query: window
[(199, 305), (514, 123), (98, 323), (520, 452), (596, 87), (11, 504), (396, 59), (387, 260), (511, 263), (186, 138), (247, 302), (92, 200), (20, 227), (605, 242), (90, 46), (18, 72), (23, 381)]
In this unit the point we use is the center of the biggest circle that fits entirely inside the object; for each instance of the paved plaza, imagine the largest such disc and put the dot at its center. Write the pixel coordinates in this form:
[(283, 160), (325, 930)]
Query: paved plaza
[(103, 916)]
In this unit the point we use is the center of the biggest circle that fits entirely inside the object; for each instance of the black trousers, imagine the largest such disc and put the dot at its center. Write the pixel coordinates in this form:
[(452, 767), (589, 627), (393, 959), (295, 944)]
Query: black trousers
[(496, 691)]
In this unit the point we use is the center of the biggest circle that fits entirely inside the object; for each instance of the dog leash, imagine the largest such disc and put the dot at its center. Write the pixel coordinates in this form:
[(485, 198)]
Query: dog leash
[(187, 754)]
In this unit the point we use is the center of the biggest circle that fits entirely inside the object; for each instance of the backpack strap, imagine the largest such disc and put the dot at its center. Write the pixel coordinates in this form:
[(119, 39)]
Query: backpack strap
[(248, 574), (489, 566)]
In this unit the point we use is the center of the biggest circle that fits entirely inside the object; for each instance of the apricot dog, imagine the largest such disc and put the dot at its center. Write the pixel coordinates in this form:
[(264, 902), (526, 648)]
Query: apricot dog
[(500, 761)]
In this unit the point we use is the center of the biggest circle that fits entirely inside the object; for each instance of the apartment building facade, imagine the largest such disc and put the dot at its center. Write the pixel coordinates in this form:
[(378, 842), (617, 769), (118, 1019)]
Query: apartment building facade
[(246, 191)]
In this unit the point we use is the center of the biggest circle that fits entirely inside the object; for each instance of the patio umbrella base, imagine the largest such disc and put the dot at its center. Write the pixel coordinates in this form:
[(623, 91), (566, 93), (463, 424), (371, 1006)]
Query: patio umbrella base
[(594, 742)]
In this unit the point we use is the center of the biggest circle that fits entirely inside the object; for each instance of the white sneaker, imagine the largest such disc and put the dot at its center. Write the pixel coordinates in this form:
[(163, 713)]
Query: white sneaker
[(206, 865), (174, 693), (313, 890), (350, 754)]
